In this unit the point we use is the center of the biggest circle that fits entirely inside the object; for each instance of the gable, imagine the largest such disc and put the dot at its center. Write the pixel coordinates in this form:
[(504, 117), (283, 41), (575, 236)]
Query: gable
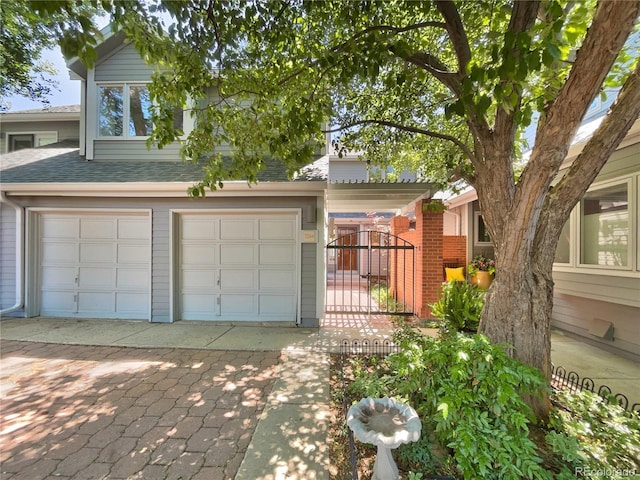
[(123, 65)]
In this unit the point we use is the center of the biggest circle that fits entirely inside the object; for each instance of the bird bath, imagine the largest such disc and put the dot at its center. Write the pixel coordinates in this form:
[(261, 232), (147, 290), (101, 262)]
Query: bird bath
[(387, 424)]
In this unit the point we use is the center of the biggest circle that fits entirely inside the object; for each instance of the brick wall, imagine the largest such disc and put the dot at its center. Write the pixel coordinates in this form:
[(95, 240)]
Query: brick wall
[(454, 249), (428, 241)]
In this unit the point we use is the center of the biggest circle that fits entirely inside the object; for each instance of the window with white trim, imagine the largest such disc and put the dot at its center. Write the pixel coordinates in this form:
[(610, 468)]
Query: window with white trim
[(481, 232), (124, 111), (605, 226)]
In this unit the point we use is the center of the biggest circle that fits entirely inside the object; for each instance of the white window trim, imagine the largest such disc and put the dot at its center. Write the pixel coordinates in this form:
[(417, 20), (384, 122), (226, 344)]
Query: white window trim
[(633, 243), (125, 110), (52, 133), (476, 231)]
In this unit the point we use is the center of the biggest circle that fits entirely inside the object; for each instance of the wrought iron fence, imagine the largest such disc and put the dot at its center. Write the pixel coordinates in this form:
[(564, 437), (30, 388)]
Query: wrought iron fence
[(570, 380)]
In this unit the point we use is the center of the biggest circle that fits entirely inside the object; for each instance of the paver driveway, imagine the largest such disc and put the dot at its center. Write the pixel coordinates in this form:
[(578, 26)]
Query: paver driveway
[(79, 412)]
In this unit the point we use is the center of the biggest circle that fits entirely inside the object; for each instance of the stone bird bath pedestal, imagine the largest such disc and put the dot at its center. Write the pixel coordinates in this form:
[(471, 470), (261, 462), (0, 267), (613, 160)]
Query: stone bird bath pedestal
[(387, 424)]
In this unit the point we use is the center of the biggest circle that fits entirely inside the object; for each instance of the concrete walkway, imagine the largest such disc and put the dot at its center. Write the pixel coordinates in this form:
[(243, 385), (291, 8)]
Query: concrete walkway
[(289, 442)]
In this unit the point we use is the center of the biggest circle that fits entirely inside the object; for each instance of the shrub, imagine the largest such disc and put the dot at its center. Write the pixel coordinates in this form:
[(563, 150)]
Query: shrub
[(468, 392), (459, 307)]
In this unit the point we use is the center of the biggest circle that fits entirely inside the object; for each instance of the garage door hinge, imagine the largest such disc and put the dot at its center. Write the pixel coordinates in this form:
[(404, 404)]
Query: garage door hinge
[(218, 300)]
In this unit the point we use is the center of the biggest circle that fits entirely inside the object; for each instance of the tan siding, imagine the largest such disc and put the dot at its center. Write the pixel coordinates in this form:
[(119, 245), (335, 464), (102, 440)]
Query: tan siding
[(66, 130), (623, 162), (575, 314)]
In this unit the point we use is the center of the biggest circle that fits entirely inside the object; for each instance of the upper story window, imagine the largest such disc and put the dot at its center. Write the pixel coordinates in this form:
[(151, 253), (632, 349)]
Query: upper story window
[(124, 111)]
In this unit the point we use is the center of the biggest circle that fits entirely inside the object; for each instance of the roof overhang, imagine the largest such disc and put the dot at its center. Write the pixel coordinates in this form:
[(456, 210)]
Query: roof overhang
[(42, 116), (376, 197), (164, 189)]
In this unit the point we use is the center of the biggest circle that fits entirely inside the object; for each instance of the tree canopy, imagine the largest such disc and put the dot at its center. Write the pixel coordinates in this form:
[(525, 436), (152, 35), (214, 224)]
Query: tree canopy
[(27, 28)]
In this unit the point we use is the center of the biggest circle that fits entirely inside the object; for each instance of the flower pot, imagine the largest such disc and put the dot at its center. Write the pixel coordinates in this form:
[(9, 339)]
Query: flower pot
[(482, 280)]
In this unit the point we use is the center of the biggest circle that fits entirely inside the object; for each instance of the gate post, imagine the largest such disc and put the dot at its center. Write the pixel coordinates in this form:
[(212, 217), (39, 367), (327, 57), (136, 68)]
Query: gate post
[(429, 224)]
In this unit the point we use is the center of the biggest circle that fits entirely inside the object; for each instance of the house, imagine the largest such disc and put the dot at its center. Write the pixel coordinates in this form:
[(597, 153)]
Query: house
[(38, 127), (597, 268), (102, 226)]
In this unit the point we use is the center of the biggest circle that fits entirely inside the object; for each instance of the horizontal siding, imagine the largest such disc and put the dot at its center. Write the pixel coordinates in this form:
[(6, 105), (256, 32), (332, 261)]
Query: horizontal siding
[(622, 162), (66, 130), (576, 314), (125, 65), (607, 288), (160, 266), (348, 171), (7, 256), (308, 281), (134, 150)]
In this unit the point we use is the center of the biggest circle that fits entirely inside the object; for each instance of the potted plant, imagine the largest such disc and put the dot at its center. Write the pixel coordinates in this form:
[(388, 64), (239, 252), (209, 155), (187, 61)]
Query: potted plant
[(481, 271)]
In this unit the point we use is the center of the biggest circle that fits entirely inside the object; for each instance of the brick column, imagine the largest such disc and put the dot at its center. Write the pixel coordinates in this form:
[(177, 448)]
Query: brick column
[(429, 255)]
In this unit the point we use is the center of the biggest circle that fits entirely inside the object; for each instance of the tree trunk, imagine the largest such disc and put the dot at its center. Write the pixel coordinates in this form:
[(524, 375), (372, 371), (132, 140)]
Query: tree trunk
[(518, 312)]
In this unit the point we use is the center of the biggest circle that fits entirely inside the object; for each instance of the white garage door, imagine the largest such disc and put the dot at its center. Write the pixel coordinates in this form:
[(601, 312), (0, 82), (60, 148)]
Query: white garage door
[(95, 265), (238, 267)]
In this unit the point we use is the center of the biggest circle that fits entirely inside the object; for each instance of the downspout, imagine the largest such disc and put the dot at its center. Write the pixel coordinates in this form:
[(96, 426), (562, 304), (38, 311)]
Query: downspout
[(19, 255)]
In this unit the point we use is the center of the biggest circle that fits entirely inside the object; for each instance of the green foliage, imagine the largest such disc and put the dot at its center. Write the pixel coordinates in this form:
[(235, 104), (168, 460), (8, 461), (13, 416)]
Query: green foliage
[(28, 27), (459, 307), (469, 393), (594, 436)]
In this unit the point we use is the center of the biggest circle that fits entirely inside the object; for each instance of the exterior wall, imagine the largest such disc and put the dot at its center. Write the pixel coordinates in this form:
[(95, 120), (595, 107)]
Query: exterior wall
[(134, 150), (7, 256), (66, 130), (454, 250), (123, 65), (162, 283), (427, 240), (587, 298), (348, 170)]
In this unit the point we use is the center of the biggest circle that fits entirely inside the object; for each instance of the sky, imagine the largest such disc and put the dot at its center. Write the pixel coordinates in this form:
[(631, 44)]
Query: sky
[(69, 93)]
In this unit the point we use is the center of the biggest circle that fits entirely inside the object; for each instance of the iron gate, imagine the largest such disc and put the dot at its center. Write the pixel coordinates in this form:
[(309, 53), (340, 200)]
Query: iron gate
[(370, 272)]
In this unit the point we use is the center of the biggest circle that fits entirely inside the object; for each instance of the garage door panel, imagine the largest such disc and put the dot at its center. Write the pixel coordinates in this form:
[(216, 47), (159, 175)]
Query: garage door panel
[(237, 279), (199, 278), (199, 255), (198, 306), (56, 227), (97, 253), (60, 253), (56, 302), (277, 305), (237, 229), (98, 228), (276, 229), (133, 229), (237, 254), (132, 303), (199, 227), (58, 277), (277, 279), (97, 303), (133, 278), (133, 254), (277, 254), (92, 277), (238, 304)]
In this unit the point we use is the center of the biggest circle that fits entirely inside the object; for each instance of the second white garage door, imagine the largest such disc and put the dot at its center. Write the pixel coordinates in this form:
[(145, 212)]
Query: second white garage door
[(238, 267)]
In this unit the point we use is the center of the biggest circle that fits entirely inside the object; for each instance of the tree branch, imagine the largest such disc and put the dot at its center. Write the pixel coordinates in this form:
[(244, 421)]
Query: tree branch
[(457, 33), (407, 128)]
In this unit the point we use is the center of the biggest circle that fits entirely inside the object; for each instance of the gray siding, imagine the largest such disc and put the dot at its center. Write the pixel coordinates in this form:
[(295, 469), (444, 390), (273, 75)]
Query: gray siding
[(607, 288), (355, 170), (161, 241), (7, 256), (124, 65), (133, 150), (623, 162)]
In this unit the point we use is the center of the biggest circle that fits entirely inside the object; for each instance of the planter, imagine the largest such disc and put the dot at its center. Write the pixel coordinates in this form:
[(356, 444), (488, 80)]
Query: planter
[(482, 280)]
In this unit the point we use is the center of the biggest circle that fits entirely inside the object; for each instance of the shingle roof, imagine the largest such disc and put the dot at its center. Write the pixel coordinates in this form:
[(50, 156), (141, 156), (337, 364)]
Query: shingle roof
[(61, 163)]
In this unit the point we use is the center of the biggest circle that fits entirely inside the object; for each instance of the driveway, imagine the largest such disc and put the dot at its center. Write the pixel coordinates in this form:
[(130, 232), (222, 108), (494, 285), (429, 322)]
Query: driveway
[(96, 412)]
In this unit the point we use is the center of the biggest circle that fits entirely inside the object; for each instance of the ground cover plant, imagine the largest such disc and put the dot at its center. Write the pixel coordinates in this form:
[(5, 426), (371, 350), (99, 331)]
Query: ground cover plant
[(469, 395)]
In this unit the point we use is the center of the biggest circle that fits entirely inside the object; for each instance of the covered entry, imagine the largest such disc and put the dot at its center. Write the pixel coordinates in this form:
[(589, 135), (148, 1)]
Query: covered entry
[(378, 278)]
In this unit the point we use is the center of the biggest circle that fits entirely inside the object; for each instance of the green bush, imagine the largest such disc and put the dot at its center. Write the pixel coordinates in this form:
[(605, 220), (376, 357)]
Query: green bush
[(459, 307), (468, 393)]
